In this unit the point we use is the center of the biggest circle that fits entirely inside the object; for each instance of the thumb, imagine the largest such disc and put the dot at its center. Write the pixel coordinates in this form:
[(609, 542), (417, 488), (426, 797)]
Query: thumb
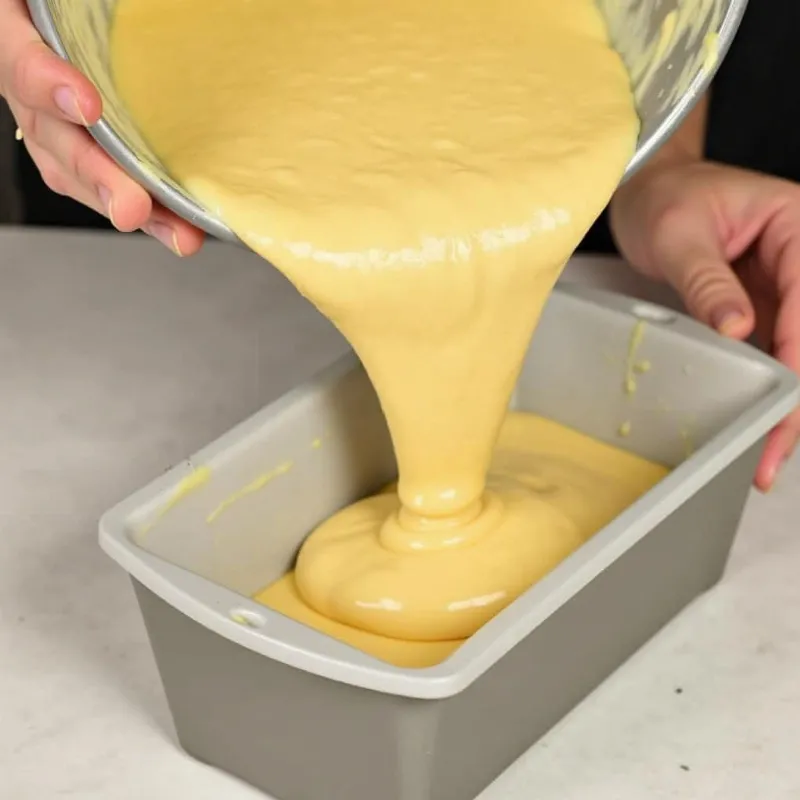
[(694, 264)]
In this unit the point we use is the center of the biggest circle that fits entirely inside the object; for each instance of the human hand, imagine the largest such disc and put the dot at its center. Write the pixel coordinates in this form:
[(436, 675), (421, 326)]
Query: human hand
[(728, 241), (53, 104)]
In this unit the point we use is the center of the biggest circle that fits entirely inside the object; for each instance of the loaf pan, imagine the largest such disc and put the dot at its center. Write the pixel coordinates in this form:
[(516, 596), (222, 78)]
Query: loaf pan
[(305, 717)]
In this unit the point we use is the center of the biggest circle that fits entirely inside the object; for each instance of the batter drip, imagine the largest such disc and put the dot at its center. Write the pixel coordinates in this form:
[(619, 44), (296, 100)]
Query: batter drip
[(421, 170)]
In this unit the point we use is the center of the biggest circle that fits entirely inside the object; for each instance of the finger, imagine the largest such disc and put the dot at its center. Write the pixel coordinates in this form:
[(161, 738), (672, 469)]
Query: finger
[(53, 173), (32, 74), (57, 180), (80, 169), (763, 295), (124, 202), (105, 187), (780, 254), (173, 232), (72, 164), (780, 447), (786, 337), (691, 258), (783, 262)]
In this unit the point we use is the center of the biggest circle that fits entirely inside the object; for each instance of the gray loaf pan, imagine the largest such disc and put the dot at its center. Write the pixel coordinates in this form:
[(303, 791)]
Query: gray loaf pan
[(305, 717)]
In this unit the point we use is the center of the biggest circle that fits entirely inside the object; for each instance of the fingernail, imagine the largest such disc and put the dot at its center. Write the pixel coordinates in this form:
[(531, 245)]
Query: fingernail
[(107, 199), (164, 234), (727, 321), (67, 104)]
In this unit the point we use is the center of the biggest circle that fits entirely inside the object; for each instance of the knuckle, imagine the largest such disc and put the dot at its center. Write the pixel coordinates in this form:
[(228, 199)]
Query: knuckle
[(701, 279), (53, 178), (704, 283), (83, 160), (32, 128)]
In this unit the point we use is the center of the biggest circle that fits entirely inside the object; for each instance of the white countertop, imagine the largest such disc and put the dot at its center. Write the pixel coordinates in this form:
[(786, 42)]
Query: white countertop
[(116, 361)]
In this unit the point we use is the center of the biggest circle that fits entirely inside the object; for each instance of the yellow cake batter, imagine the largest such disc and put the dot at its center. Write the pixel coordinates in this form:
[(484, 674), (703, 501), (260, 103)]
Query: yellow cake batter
[(583, 483), (421, 170)]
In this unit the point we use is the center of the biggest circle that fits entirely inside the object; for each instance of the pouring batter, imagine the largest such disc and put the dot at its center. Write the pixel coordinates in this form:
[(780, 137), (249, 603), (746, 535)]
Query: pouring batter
[(585, 485), (421, 171)]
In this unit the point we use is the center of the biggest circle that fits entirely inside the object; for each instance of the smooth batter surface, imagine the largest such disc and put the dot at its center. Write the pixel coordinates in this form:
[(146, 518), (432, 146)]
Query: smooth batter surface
[(582, 483), (421, 170)]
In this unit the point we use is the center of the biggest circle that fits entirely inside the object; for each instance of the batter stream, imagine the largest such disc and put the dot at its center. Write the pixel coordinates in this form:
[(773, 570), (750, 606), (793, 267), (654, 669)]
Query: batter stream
[(421, 170)]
